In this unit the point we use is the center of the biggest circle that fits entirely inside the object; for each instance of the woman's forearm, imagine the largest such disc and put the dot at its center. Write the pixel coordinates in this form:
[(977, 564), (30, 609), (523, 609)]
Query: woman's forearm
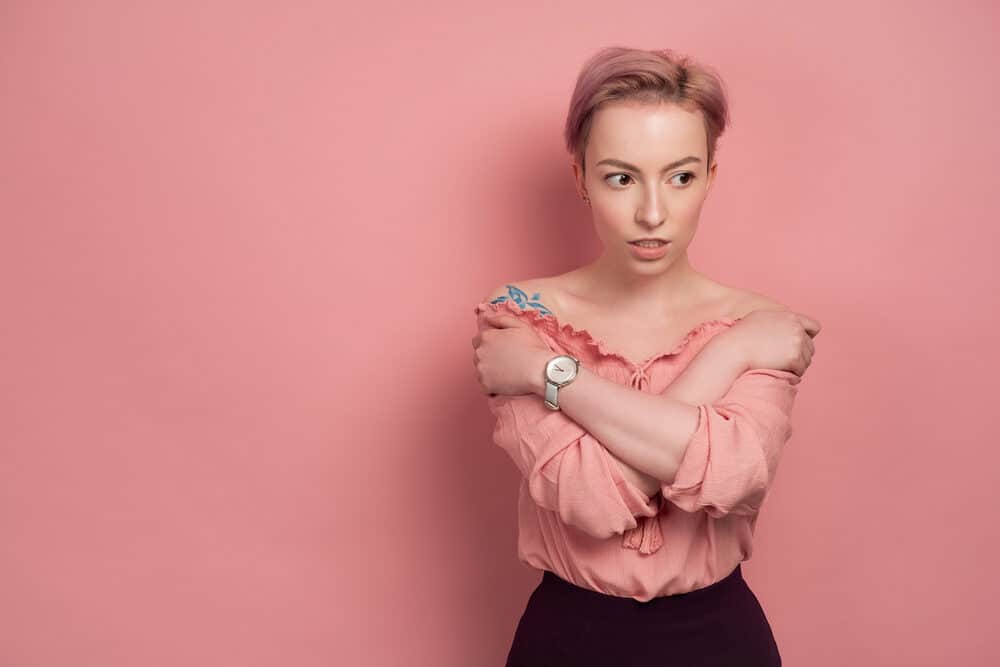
[(648, 433), (710, 374)]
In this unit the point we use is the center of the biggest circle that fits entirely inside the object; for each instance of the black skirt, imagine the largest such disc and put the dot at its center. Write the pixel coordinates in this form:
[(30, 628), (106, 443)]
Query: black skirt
[(565, 625)]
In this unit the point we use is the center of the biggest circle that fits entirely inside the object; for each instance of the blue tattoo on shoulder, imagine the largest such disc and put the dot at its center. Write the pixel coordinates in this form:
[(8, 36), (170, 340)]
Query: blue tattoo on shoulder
[(520, 297)]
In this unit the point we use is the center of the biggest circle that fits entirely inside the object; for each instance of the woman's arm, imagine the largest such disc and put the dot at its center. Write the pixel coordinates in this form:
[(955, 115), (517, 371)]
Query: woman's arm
[(707, 378), (648, 433), (718, 453)]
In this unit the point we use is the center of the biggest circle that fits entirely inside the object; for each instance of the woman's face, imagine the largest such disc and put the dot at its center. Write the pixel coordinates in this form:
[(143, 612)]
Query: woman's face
[(646, 178)]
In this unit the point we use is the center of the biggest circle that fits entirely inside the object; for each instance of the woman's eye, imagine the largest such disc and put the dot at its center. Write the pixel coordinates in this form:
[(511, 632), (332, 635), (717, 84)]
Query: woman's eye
[(617, 178)]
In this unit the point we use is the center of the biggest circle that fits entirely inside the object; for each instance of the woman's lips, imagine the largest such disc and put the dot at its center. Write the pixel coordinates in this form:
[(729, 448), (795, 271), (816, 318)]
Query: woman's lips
[(649, 252)]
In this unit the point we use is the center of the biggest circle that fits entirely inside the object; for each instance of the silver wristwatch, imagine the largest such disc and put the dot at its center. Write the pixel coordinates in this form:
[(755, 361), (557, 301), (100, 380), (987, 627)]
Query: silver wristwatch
[(559, 372)]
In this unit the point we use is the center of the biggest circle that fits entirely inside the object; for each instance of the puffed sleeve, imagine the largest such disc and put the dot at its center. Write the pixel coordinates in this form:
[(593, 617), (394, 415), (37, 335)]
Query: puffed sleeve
[(567, 470), (732, 456)]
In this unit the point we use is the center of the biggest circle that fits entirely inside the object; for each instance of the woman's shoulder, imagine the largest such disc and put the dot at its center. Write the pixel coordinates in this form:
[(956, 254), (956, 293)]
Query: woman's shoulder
[(729, 301), (744, 301), (544, 293), (538, 293), (509, 288)]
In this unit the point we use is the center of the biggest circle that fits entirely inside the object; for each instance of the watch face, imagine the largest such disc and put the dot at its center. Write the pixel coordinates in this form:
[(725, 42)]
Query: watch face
[(561, 369)]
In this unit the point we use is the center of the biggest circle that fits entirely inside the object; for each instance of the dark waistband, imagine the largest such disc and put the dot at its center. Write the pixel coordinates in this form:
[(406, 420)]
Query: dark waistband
[(707, 594)]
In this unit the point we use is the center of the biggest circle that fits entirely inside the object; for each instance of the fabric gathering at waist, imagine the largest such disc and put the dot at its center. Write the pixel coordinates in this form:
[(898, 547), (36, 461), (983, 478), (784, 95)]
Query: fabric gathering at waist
[(707, 595)]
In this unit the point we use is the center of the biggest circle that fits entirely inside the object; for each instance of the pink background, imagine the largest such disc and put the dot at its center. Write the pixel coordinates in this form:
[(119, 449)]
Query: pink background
[(241, 246)]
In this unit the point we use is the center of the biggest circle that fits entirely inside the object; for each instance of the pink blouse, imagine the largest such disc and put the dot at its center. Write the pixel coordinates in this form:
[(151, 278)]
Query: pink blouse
[(579, 517)]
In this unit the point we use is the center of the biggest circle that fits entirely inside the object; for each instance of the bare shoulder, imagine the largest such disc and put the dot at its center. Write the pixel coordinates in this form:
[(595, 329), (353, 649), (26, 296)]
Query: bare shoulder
[(534, 293), (746, 301)]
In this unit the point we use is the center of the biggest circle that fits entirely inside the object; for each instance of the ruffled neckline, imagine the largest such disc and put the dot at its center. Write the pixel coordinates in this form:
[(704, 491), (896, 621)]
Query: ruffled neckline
[(565, 330)]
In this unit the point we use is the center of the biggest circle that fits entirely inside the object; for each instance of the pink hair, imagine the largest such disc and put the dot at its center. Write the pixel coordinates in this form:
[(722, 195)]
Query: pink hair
[(661, 76)]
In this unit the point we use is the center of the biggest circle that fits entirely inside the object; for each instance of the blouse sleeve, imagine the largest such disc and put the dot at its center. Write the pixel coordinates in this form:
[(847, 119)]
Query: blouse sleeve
[(732, 456), (567, 470)]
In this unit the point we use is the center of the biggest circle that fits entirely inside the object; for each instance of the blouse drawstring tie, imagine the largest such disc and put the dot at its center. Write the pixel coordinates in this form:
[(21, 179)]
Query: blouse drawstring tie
[(646, 537)]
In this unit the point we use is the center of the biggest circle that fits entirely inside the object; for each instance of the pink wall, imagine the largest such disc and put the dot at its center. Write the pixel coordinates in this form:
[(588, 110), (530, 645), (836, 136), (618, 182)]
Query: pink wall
[(241, 246)]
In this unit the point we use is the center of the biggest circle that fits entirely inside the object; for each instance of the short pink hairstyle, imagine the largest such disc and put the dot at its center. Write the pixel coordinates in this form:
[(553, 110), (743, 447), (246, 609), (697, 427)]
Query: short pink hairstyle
[(662, 76)]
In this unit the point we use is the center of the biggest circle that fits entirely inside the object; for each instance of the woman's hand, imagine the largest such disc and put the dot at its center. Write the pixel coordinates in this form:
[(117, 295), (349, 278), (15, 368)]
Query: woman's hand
[(509, 355), (778, 339)]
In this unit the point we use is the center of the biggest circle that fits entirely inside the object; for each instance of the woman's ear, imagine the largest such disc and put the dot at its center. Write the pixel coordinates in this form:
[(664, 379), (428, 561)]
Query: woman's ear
[(711, 176), (578, 180)]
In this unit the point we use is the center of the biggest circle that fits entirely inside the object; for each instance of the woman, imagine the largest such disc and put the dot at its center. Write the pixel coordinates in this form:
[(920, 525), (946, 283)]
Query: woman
[(645, 404)]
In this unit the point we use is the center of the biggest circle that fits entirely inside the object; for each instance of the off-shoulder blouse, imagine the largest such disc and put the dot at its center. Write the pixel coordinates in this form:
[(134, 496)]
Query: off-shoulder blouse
[(579, 517)]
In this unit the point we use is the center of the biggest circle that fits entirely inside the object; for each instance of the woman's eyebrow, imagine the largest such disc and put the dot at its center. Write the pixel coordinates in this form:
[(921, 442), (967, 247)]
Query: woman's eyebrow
[(625, 165)]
